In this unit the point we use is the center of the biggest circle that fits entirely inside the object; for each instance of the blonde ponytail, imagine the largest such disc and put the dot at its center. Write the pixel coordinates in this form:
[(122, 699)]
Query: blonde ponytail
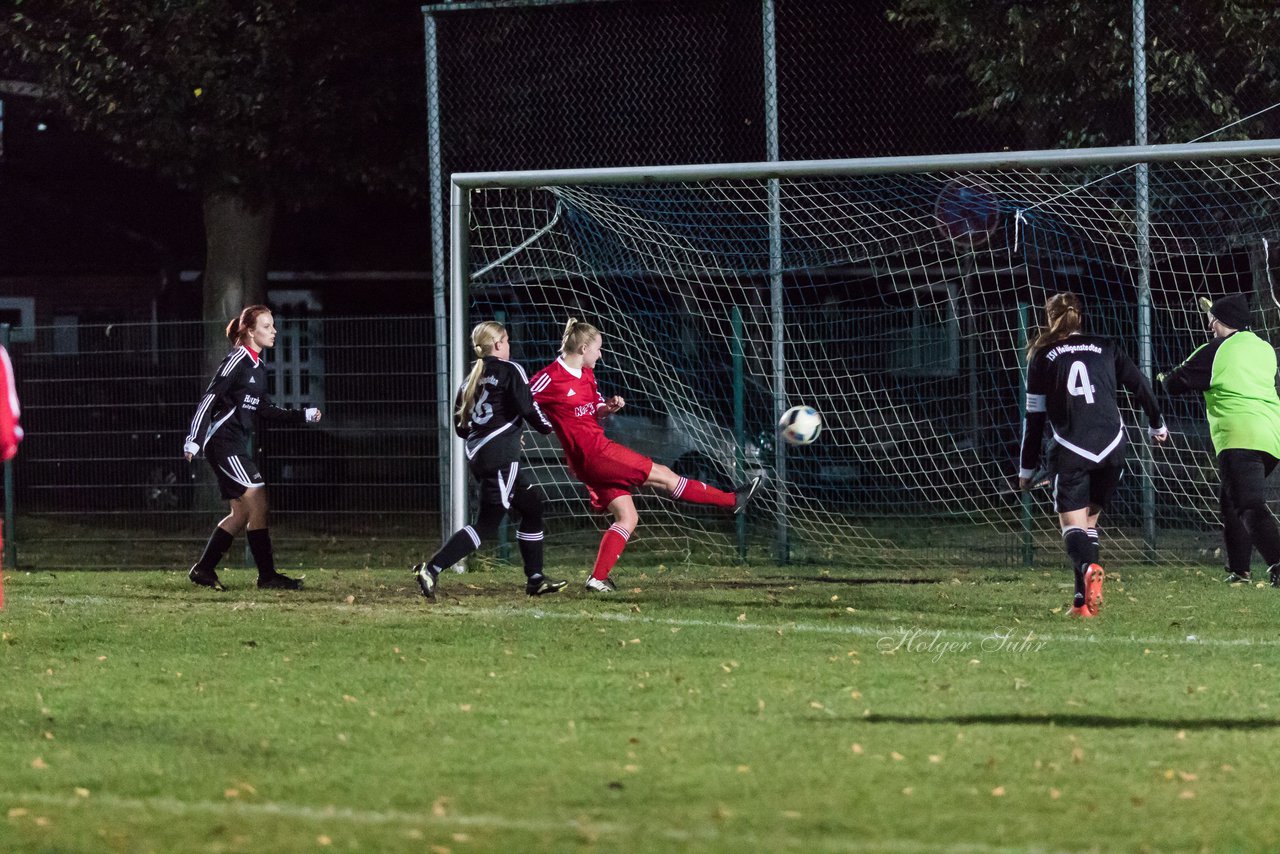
[(483, 337), (1065, 315), (577, 335)]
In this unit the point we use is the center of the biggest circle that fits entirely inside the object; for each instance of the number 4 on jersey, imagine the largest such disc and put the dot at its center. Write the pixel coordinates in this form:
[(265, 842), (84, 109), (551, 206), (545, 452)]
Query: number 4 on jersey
[(1078, 382)]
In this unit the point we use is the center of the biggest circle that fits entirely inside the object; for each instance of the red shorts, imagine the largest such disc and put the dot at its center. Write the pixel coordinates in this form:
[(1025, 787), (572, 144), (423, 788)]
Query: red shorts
[(611, 471)]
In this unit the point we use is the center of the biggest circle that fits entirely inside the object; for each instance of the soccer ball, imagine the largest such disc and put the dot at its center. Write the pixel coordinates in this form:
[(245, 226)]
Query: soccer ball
[(800, 425)]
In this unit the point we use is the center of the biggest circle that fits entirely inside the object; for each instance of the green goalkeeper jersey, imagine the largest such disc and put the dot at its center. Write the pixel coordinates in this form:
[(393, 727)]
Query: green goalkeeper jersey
[(1238, 377)]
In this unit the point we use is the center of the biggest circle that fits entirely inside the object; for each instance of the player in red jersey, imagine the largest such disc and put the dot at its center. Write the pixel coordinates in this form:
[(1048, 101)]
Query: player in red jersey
[(10, 430), (567, 394)]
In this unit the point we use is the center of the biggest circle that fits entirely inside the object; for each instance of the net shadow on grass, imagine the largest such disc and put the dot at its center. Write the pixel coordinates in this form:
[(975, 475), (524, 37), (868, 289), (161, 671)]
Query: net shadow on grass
[(1082, 721)]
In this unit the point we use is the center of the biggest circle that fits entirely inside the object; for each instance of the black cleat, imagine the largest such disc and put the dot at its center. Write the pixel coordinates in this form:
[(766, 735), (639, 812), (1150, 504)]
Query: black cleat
[(426, 578), (601, 585), (277, 581), (1238, 577), (742, 494), (540, 585), (205, 578), (1273, 575)]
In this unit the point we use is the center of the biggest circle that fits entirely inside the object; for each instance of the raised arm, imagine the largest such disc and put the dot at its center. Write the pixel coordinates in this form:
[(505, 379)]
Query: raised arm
[(1195, 373), (1132, 379)]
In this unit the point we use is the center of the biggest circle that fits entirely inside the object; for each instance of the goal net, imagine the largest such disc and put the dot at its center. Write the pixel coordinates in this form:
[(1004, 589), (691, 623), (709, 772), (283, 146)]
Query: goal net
[(896, 297)]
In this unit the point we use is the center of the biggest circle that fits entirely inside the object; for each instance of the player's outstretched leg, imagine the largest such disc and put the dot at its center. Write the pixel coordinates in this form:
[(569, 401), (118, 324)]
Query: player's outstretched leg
[(743, 494)]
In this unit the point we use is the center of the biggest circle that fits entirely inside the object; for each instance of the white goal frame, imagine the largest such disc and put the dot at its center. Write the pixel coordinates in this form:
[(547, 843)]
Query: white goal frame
[(455, 514)]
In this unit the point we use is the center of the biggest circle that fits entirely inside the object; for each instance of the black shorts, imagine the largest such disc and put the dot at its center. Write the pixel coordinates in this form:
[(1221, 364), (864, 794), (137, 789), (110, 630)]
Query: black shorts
[(236, 473), (499, 485), (1079, 488)]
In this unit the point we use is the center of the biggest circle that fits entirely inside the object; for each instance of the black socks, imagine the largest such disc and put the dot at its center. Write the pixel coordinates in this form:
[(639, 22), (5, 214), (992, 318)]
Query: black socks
[(260, 545), (219, 542)]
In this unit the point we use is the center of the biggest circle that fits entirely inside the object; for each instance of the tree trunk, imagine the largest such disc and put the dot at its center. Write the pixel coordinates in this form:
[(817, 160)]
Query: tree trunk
[(237, 237)]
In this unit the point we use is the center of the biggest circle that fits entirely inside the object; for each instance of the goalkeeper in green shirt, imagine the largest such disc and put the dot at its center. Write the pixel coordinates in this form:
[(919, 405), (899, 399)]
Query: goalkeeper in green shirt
[(1237, 373)]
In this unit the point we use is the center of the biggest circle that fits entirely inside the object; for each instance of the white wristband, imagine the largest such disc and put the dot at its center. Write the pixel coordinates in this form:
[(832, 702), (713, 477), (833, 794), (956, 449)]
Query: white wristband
[(190, 448), (311, 414), (1026, 474), (1161, 432)]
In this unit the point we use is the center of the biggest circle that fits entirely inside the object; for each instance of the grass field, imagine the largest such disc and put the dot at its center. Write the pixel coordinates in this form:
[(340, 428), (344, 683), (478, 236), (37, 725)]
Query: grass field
[(723, 709)]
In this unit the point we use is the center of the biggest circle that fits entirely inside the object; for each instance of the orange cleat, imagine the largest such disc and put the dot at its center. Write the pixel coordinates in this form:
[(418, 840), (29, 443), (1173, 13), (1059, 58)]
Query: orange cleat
[(1093, 576)]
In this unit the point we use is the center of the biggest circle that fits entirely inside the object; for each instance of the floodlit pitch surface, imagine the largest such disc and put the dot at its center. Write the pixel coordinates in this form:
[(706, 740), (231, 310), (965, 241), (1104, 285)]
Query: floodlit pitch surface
[(727, 709)]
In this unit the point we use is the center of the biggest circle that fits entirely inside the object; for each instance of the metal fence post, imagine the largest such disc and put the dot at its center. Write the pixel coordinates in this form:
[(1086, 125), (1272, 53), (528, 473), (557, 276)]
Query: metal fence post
[(739, 419)]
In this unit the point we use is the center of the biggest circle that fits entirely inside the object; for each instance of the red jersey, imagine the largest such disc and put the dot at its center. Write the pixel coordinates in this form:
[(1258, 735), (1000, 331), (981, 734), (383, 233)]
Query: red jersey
[(569, 398), (10, 431)]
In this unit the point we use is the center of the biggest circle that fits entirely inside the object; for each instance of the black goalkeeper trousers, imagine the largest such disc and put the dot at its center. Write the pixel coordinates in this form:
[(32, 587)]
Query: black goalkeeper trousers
[(1247, 521)]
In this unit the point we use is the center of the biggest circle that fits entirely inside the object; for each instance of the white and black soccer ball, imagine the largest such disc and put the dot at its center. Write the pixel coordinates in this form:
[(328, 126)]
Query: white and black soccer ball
[(800, 425)]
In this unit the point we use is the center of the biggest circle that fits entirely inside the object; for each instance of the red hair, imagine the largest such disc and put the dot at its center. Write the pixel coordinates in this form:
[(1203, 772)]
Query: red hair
[(238, 328)]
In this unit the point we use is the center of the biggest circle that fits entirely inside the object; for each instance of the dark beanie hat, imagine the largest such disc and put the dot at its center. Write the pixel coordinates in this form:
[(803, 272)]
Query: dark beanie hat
[(1233, 311)]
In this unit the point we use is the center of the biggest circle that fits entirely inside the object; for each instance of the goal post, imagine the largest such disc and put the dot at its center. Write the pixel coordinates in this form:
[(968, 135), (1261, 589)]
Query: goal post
[(894, 295)]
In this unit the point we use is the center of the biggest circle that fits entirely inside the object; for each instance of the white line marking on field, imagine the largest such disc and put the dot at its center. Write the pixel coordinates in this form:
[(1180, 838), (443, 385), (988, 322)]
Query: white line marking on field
[(340, 815), (896, 631), (346, 815), (893, 631)]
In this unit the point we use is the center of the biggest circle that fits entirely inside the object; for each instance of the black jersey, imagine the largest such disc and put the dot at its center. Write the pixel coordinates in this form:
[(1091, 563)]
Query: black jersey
[(229, 410), (1073, 383), (502, 403)]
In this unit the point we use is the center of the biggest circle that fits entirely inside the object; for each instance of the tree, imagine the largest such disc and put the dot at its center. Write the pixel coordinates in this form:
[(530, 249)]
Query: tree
[(256, 105), (1062, 74)]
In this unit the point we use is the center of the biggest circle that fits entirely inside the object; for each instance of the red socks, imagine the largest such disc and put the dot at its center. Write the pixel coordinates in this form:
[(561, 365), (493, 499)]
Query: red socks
[(697, 492), (611, 546)]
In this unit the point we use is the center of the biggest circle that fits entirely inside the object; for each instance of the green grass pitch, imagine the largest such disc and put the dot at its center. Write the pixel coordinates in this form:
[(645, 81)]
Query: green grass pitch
[(705, 709)]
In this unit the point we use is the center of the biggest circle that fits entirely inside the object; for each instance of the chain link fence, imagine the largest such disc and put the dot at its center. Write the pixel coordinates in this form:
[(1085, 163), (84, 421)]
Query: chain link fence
[(100, 481)]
